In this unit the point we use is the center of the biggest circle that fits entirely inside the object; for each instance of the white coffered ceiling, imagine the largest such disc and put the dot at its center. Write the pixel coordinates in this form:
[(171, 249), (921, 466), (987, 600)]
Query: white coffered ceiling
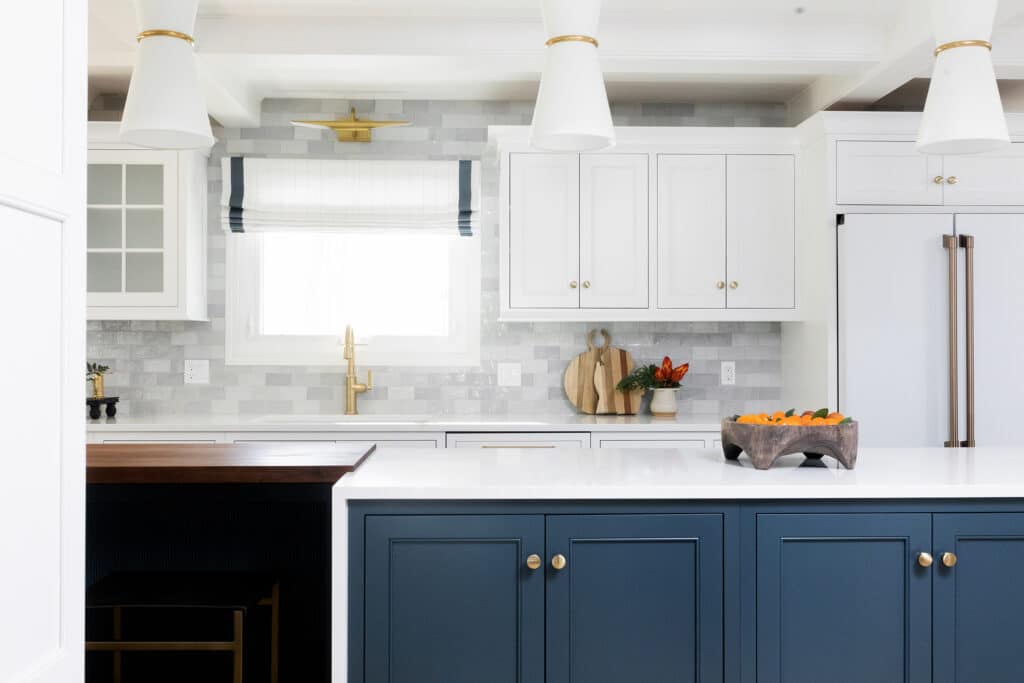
[(809, 54)]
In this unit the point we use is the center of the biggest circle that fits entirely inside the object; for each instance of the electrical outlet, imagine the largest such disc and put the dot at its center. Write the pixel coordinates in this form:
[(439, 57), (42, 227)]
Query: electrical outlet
[(728, 373), (197, 372), (510, 375)]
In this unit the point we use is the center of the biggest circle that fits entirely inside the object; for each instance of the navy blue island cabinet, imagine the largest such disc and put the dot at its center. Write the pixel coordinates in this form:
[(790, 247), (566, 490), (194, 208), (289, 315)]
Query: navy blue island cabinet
[(663, 592)]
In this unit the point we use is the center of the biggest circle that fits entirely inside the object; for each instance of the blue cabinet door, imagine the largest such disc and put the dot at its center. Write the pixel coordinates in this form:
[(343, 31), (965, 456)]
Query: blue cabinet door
[(639, 598), (450, 599), (841, 597), (979, 602)]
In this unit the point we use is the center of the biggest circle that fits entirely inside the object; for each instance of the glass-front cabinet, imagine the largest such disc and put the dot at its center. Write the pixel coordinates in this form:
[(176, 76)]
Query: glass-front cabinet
[(146, 250)]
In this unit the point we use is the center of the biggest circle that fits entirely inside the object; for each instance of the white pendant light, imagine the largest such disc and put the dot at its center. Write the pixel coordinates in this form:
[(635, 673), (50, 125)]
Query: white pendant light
[(572, 113), (963, 113), (165, 107)]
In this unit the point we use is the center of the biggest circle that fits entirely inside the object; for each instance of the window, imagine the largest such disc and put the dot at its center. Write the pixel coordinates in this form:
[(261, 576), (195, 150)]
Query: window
[(414, 299)]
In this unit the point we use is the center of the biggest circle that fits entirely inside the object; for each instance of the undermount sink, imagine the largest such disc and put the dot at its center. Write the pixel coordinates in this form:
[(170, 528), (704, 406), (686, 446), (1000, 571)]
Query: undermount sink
[(339, 419)]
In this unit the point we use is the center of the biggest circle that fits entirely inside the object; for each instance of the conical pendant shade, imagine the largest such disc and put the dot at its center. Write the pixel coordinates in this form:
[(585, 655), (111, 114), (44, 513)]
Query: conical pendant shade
[(572, 113), (165, 107), (963, 113)]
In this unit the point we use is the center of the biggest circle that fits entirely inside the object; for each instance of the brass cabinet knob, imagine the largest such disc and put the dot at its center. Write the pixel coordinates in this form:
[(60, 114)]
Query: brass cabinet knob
[(733, 284), (572, 285), (949, 559), (952, 180), (586, 284), (925, 559), (534, 561), (938, 180), (720, 284), (558, 562)]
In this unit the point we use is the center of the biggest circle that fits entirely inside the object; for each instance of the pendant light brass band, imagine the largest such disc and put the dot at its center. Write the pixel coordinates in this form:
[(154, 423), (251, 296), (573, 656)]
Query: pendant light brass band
[(572, 38), (165, 32), (962, 43)]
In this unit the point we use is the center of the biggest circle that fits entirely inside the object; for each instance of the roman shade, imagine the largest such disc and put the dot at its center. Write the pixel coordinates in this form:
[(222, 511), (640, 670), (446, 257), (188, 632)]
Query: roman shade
[(329, 195)]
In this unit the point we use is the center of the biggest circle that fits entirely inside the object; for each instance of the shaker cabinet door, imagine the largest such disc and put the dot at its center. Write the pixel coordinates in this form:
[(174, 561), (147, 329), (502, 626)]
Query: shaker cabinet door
[(613, 230), (979, 601), (691, 231), (544, 231), (842, 597), (887, 172), (760, 231), (450, 599), (639, 598)]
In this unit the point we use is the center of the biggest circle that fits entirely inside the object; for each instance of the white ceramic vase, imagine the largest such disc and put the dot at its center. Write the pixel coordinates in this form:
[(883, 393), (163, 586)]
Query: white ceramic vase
[(663, 404)]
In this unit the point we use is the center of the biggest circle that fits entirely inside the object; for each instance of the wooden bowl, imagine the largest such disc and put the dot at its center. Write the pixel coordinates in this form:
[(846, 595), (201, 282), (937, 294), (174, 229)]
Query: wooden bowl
[(765, 443)]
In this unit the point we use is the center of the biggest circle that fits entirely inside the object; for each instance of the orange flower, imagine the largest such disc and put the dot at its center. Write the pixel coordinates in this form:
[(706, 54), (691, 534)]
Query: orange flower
[(668, 376)]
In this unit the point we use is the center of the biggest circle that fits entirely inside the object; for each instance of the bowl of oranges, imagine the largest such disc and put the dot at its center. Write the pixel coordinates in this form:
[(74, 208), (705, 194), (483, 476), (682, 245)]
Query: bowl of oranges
[(765, 437)]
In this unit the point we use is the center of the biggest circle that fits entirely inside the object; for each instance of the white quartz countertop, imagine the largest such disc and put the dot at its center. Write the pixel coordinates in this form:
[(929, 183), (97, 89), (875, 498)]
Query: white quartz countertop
[(406, 423), (592, 474)]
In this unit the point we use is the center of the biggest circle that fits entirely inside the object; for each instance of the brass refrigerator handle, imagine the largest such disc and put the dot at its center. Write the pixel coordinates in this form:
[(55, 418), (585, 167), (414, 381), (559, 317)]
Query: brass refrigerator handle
[(967, 244), (949, 243)]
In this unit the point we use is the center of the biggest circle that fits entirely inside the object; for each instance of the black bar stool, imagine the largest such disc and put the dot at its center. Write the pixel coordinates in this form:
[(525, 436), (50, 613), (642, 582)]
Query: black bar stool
[(234, 591)]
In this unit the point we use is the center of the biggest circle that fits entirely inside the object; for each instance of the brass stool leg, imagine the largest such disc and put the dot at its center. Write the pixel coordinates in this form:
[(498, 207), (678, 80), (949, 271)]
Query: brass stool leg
[(237, 647), (275, 630), (117, 653)]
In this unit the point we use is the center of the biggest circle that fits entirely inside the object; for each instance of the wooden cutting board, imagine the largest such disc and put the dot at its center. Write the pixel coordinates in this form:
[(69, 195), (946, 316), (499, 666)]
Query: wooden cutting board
[(614, 364), (579, 376), (591, 378)]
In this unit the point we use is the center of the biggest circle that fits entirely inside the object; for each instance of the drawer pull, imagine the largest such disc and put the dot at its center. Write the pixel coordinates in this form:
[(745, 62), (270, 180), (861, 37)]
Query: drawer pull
[(949, 559), (925, 559), (558, 562), (938, 180), (534, 562), (952, 180)]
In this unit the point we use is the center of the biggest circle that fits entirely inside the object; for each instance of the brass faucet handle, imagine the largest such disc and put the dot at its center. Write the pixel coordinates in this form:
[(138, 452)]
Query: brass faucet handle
[(369, 380)]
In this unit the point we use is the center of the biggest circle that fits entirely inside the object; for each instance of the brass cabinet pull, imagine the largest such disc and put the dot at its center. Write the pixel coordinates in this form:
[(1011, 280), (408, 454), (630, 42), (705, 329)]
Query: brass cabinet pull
[(572, 285), (720, 284), (733, 284), (534, 562), (558, 562), (949, 559), (938, 180), (586, 284), (925, 559), (952, 180)]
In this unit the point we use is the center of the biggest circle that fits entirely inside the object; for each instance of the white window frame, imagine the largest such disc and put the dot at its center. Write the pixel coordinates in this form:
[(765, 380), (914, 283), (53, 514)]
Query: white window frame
[(245, 346)]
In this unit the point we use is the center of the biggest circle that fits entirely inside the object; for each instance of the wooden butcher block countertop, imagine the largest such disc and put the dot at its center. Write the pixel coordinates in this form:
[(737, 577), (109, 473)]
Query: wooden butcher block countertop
[(243, 463)]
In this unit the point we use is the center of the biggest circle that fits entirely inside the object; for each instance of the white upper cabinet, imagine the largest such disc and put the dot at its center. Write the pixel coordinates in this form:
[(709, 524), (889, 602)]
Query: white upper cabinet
[(544, 236), (145, 231), (895, 173), (992, 179), (887, 173), (655, 229), (691, 231), (613, 230), (761, 244)]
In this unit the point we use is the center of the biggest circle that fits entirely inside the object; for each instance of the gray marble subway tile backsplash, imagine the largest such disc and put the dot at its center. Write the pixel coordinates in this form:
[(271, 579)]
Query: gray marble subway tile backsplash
[(148, 357)]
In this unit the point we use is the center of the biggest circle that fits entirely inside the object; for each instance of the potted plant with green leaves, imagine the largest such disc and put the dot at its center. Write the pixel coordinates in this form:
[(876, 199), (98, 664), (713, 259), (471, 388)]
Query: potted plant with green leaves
[(664, 380), (94, 373)]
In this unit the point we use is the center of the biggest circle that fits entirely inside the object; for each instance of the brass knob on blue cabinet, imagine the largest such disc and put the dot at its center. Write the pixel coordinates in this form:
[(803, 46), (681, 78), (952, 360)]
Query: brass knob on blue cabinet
[(534, 562), (949, 559), (925, 559), (558, 562)]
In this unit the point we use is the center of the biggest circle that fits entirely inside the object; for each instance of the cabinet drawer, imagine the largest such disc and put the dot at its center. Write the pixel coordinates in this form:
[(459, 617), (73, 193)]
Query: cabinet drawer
[(382, 440), (516, 440), (666, 442)]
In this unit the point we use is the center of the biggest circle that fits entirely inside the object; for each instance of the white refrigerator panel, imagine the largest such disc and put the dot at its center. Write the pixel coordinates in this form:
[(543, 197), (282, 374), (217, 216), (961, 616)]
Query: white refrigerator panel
[(893, 348), (998, 325)]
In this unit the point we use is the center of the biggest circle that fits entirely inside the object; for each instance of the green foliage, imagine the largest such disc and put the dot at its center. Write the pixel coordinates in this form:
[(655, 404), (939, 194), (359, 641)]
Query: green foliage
[(95, 370), (821, 412), (641, 378)]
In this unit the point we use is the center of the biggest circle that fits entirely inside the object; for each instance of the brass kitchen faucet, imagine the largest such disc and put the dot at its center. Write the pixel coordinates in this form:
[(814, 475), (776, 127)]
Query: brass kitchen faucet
[(352, 385)]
